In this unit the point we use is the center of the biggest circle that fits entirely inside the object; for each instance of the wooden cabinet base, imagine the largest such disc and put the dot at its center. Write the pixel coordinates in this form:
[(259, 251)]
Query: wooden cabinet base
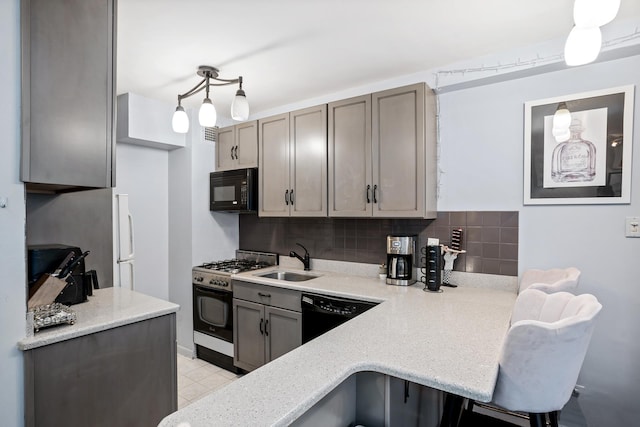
[(125, 376)]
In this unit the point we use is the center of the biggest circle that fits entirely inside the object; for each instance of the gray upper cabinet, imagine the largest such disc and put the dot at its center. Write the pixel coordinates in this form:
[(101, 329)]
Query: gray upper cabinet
[(293, 163), (350, 178), (68, 92), (381, 162), (237, 146)]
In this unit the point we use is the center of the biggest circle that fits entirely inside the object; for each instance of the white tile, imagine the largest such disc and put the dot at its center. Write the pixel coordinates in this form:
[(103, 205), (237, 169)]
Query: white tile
[(200, 373), (214, 381), (183, 382), (185, 364), (193, 391), (182, 402), (229, 374)]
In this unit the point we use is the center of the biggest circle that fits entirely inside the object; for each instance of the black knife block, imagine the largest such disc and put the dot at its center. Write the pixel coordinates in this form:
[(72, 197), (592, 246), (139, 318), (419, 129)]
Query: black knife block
[(433, 276), (43, 259)]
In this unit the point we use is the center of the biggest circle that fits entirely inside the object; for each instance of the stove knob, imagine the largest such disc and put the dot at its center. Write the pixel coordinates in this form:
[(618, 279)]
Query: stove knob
[(212, 282), (199, 279)]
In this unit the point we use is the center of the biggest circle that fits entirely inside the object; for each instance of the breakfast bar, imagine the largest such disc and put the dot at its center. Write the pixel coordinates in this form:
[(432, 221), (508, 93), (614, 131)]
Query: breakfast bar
[(448, 341)]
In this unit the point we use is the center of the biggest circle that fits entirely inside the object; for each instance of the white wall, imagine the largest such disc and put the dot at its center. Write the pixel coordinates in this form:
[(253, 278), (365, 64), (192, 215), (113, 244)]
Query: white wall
[(143, 174), (195, 234), (12, 221), (481, 158)]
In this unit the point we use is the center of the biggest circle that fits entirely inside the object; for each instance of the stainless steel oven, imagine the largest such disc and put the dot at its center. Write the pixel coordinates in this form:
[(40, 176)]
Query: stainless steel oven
[(212, 304)]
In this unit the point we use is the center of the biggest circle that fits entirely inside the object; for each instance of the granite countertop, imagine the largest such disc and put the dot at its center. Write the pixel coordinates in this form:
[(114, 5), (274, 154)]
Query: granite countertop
[(107, 308), (450, 341)]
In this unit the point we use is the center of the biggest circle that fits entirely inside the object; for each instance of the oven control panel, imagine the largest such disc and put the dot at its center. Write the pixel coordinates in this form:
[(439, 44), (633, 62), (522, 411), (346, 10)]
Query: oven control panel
[(211, 280)]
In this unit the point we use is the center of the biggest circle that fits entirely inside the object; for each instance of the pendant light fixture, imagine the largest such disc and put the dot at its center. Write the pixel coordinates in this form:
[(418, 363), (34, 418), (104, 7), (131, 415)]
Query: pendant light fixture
[(585, 39), (207, 116)]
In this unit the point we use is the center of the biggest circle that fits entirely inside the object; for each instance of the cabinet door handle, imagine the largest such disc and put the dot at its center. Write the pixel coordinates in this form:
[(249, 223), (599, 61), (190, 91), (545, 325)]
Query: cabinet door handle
[(266, 327), (368, 193), (264, 295), (286, 197), (375, 193), (236, 152), (291, 196), (231, 153), (261, 330)]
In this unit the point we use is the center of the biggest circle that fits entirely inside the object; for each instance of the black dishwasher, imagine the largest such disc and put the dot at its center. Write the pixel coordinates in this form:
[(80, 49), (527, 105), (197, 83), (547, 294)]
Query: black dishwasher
[(321, 313)]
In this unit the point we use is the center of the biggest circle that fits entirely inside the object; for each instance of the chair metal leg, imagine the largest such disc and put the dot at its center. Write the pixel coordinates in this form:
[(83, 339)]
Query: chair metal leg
[(452, 410), (553, 418), (537, 420)]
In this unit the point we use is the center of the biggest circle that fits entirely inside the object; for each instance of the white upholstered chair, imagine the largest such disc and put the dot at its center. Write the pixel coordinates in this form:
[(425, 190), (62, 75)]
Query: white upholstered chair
[(543, 352), (549, 281)]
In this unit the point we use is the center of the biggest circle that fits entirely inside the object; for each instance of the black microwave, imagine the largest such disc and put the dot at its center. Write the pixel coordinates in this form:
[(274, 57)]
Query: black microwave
[(234, 190)]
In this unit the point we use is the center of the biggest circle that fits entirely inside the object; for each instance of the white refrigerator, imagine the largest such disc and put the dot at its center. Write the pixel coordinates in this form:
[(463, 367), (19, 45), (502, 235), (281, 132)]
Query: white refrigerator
[(124, 274)]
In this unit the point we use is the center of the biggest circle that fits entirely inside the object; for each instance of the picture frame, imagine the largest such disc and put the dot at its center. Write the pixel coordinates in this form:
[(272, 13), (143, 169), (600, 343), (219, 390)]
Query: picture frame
[(594, 165)]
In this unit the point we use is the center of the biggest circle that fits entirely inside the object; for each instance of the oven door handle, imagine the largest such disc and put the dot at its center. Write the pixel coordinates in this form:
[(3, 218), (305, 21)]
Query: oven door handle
[(206, 290)]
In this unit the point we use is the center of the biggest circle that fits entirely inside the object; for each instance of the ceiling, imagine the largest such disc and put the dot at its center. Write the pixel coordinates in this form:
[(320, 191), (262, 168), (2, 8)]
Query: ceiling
[(292, 50)]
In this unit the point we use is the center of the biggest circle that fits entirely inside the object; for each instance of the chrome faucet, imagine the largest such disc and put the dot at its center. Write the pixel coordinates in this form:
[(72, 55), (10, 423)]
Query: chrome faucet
[(304, 260)]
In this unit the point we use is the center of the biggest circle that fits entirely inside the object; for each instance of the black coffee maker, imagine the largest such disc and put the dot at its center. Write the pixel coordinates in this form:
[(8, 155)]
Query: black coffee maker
[(400, 252)]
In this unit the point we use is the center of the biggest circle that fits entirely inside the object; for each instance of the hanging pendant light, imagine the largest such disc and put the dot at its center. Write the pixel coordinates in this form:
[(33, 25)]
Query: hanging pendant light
[(180, 120), (240, 106), (583, 45), (207, 116), (594, 13)]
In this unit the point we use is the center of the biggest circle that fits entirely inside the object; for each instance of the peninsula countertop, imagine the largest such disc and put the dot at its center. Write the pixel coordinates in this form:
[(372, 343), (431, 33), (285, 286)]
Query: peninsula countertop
[(107, 308), (450, 341)]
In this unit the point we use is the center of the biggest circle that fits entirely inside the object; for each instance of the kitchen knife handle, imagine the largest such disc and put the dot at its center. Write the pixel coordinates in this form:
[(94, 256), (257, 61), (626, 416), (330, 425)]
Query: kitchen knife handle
[(375, 193), (286, 197), (368, 193)]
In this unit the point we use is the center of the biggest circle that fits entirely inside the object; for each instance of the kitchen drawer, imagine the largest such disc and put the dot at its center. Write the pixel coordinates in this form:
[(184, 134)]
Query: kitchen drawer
[(267, 295)]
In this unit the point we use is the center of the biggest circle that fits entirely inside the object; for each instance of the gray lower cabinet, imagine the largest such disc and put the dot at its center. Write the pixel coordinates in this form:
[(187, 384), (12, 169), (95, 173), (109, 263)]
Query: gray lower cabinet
[(68, 93), (237, 147), (262, 331), (125, 376)]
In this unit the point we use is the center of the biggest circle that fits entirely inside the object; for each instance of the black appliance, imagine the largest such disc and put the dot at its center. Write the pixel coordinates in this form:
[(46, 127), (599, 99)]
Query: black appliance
[(234, 190), (46, 258), (433, 265), (321, 313), (213, 305)]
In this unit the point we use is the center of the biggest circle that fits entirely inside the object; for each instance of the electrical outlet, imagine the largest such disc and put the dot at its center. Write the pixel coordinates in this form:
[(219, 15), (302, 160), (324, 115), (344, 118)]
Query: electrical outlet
[(632, 226)]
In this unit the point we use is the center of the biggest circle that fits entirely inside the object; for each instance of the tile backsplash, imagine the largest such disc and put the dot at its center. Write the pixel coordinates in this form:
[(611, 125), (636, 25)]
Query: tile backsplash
[(490, 238)]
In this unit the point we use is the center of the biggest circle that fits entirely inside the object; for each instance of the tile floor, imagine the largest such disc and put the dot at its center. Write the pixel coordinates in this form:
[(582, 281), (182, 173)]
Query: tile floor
[(196, 378)]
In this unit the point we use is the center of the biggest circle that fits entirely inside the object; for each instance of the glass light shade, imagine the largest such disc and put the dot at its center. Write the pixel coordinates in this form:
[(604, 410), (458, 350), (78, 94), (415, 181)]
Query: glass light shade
[(583, 45), (594, 13), (561, 135), (240, 107), (207, 115), (562, 117), (180, 121)]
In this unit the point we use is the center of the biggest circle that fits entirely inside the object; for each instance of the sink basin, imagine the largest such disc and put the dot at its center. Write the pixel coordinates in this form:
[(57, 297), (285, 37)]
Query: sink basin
[(288, 276)]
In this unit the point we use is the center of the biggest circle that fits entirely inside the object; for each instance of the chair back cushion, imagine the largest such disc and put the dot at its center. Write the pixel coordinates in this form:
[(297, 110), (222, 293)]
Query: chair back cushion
[(544, 350), (549, 281)]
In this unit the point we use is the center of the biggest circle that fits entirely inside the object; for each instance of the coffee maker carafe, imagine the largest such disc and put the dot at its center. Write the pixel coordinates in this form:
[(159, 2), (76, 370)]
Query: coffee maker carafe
[(400, 251)]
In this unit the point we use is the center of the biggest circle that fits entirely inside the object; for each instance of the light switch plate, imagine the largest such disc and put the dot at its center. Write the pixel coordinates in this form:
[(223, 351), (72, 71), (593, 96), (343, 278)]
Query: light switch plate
[(632, 226)]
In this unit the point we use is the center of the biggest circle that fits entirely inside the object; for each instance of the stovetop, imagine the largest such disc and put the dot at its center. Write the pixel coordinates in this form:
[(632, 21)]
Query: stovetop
[(233, 266), (217, 274)]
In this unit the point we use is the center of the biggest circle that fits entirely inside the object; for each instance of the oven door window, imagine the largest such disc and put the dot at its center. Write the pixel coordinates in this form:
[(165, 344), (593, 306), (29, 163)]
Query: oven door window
[(213, 311)]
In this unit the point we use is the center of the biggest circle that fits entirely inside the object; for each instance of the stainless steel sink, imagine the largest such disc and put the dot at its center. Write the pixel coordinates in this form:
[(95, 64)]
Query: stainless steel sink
[(288, 276)]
